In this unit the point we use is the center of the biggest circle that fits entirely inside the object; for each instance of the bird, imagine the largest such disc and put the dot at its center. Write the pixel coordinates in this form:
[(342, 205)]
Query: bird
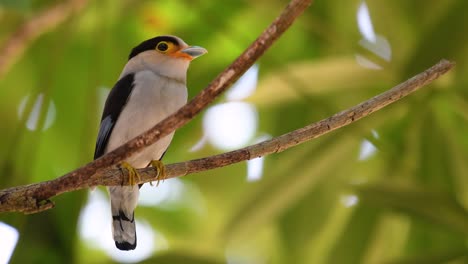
[(152, 86)]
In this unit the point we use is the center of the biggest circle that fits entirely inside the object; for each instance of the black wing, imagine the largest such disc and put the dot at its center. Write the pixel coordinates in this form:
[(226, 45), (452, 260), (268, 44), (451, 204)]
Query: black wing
[(115, 103)]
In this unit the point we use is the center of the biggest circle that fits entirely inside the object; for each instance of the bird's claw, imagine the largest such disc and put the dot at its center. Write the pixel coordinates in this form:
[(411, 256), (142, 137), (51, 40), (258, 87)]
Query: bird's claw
[(132, 173), (160, 170)]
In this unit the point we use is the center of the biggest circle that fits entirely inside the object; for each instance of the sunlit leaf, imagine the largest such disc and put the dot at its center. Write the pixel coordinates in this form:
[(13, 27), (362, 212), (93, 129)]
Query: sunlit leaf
[(292, 81)]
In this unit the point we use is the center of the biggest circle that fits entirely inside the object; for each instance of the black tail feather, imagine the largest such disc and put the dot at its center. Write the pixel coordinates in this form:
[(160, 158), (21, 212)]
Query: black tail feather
[(125, 245)]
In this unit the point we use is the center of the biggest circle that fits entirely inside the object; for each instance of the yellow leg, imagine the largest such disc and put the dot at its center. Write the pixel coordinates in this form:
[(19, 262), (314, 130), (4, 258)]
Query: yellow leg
[(160, 169), (132, 173)]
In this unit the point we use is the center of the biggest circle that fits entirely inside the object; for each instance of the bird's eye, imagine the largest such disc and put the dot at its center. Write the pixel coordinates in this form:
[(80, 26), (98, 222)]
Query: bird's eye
[(162, 46)]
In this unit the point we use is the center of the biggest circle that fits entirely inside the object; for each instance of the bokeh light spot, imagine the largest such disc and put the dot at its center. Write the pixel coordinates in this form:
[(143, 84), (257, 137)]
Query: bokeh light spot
[(230, 125), (32, 119), (8, 239)]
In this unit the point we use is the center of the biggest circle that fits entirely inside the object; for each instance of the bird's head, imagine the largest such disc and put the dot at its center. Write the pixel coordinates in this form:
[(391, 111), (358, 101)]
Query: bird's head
[(166, 55)]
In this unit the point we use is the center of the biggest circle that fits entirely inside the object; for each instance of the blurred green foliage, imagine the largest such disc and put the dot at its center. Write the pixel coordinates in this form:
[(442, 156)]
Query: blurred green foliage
[(409, 200)]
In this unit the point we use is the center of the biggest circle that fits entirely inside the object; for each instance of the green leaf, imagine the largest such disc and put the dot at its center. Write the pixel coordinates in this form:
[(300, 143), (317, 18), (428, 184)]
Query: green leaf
[(182, 258), (455, 256), (20, 5), (271, 200), (438, 40), (355, 237), (439, 208)]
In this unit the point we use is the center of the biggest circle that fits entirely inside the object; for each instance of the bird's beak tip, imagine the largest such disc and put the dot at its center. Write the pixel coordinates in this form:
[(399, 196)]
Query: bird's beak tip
[(194, 51)]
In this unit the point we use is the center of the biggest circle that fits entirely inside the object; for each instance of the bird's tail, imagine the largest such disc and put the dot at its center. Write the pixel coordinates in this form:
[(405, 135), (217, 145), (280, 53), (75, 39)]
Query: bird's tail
[(124, 231), (123, 203)]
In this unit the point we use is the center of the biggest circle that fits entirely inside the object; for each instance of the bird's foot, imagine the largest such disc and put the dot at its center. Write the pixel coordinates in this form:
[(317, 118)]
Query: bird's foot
[(160, 170), (132, 173)]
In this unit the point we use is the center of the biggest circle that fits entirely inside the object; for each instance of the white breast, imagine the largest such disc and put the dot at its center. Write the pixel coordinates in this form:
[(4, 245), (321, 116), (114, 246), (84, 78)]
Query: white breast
[(153, 98)]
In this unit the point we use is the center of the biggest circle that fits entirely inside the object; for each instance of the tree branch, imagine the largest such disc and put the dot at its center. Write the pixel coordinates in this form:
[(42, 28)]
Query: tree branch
[(34, 198), (19, 198), (288, 140)]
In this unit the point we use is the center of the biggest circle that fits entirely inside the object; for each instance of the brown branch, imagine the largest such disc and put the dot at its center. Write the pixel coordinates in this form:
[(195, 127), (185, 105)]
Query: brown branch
[(20, 199), (291, 139), (34, 198), (15, 45)]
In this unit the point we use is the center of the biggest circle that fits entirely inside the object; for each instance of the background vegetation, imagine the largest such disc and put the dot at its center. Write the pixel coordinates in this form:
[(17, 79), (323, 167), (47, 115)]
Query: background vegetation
[(392, 188)]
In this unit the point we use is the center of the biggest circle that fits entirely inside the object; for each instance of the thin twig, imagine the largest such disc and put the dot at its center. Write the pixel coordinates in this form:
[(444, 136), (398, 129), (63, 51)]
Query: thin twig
[(34, 198), (17, 43), (19, 198)]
